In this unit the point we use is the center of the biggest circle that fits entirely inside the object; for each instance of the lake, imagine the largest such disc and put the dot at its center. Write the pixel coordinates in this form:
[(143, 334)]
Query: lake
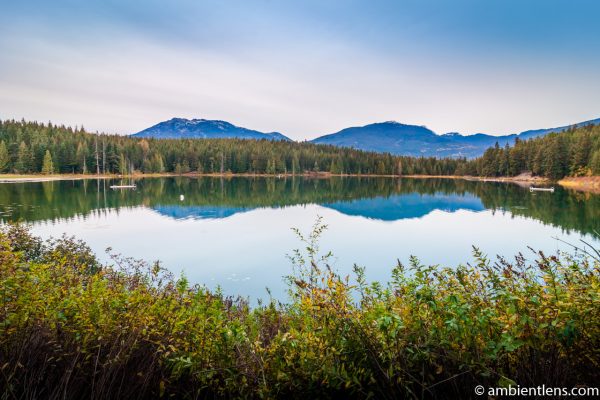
[(235, 233)]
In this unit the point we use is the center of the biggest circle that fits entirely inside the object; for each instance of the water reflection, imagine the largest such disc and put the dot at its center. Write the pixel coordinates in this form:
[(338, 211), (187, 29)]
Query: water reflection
[(401, 206), (236, 232), (374, 198)]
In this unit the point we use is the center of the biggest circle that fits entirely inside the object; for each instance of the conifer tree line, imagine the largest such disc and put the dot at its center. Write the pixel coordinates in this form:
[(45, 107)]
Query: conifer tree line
[(572, 152), (32, 147)]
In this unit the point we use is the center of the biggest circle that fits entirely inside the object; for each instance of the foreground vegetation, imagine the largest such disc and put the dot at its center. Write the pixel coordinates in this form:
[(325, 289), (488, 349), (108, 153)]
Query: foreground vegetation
[(71, 328)]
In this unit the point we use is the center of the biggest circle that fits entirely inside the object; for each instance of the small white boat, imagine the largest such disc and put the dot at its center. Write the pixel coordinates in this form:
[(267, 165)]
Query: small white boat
[(123, 186), (540, 189)]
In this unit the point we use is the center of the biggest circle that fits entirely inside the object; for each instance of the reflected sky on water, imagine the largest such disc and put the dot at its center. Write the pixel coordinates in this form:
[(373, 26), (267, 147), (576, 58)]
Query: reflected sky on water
[(236, 232)]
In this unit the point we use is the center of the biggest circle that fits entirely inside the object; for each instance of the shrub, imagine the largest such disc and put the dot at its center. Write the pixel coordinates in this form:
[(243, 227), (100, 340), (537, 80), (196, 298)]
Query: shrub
[(132, 330)]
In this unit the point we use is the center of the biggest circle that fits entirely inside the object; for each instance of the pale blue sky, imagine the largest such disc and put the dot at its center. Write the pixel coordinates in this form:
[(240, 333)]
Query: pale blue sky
[(303, 68)]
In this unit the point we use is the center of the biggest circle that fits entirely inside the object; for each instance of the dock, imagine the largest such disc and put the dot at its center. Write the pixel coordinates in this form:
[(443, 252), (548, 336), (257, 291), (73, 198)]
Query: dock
[(123, 186), (540, 189)]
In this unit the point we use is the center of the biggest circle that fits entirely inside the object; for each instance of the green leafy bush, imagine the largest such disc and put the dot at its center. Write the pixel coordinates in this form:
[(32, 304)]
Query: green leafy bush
[(72, 329)]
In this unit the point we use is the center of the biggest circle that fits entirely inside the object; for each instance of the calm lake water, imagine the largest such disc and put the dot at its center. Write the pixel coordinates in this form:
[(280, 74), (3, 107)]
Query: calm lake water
[(236, 233)]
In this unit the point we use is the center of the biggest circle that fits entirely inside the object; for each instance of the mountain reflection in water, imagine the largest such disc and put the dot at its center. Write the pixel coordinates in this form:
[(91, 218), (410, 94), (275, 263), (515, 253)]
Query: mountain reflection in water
[(383, 199)]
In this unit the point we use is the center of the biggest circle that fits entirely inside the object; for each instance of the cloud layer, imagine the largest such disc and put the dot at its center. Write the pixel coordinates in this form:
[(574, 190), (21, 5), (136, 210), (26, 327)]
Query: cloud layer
[(301, 68)]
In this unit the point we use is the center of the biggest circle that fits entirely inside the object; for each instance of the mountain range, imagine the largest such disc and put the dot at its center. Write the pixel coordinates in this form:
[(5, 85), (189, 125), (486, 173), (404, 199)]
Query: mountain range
[(181, 128), (414, 140), (392, 137)]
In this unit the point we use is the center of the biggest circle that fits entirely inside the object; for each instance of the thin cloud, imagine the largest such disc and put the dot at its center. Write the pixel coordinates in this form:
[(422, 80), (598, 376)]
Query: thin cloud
[(302, 69)]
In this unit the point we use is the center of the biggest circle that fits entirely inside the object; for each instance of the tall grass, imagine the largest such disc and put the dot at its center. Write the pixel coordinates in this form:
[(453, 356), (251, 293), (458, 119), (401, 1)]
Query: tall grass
[(71, 328)]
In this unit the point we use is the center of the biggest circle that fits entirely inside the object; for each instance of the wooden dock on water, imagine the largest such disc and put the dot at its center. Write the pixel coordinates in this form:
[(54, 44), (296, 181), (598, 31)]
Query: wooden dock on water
[(123, 186), (541, 189)]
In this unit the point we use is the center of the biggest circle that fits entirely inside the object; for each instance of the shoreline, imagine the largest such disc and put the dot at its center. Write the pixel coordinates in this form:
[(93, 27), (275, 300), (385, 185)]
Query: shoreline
[(585, 184), (588, 184)]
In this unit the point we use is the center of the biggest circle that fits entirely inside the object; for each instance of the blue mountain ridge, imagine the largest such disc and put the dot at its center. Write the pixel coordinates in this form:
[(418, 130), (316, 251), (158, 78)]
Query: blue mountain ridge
[(391, 137), (181, 128), (413, 140)]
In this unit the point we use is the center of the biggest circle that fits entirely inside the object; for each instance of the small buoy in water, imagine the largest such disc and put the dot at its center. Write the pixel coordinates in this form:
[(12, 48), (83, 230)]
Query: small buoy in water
[(181, 198)]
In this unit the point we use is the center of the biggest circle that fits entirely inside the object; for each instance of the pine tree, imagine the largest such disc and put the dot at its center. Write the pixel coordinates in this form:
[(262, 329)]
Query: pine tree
[(504, 161), (23, 159), (157, 164), (595, 163), (185, 167), (335, 168), (295, 165), (47, 166), (555, 158), (537, 161), (490, 161), (80, 156), (516, 159), (271, 167), (581, 154), (122, 165), (4, 158)]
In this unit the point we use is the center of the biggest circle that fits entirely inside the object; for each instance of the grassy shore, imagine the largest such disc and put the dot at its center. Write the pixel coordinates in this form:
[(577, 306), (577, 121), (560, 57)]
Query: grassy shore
[(583, 183), (586, 184), (15, 178), (71, 328), (42, 178)]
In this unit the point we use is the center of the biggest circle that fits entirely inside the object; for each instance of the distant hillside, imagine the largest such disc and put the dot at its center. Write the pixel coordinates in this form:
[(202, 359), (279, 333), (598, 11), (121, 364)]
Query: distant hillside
[(413, 140), (384, 137), (181, 128)]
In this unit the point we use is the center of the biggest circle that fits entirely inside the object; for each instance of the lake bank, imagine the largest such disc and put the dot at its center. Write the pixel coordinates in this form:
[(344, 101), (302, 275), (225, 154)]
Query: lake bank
[(17, 178), (589, 184), (585, 184), (7, 178)]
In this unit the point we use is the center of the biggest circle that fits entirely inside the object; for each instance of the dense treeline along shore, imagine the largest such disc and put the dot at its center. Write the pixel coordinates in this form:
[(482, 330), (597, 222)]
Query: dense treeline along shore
[(72, 328), (573, 152), (33, 148), (27, 147)]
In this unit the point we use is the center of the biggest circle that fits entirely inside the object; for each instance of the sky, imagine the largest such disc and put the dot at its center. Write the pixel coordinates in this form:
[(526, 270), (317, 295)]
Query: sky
[(302, 68)]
